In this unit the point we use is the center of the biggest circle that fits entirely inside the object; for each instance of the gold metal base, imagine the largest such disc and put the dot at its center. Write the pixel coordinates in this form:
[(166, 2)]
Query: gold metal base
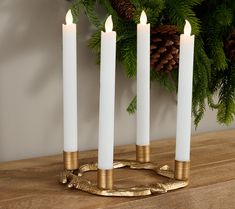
[(71, 160), (81, 183), (182, 169), (105, 179), (143, 153)]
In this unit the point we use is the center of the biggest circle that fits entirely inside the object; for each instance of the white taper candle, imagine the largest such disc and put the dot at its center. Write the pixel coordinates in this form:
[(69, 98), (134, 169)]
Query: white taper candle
[(107, 96), (143, 81), (184, 107), (70, 84)]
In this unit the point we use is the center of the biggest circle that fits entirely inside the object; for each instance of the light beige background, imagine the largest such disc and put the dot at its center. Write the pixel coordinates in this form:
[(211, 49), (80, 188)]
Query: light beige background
[(31, 86)]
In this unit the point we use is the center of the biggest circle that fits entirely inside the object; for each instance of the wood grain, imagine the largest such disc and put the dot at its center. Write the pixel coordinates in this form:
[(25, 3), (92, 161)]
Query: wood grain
[(32, 183)]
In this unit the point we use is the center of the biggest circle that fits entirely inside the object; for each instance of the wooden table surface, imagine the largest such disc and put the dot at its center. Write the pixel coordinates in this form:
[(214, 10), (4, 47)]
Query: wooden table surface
[(33, 183)]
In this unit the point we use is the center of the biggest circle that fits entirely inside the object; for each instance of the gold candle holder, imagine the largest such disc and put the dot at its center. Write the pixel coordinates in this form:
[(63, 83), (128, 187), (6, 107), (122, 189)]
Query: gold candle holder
[(105, 179), (74, 177), (104, 185), (182, 169), (71, 160), (143, 153)]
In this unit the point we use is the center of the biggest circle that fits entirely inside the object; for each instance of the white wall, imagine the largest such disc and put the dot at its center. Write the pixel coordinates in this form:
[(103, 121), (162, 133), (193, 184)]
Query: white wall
[(31, 86)]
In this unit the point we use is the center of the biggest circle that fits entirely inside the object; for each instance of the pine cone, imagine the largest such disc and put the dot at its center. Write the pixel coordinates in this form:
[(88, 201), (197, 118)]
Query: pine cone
[(165, 43), (229, 46), (124, 8)]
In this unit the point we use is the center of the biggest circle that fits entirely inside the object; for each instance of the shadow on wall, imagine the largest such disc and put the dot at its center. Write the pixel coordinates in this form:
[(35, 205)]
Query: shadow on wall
[(30, 78)]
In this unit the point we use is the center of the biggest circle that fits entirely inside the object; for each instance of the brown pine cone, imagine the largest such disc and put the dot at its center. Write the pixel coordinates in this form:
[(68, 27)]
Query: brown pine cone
[(165, 42), (124, 8), (229, 46)]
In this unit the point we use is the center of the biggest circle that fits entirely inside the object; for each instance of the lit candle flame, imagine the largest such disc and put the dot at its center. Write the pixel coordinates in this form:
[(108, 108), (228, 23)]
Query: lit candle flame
[(69, 18), (143, 18), (187, 28), (109, 24)]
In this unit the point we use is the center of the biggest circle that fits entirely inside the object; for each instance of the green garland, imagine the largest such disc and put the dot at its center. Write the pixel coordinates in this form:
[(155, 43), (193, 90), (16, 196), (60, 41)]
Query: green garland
[(211, 20)]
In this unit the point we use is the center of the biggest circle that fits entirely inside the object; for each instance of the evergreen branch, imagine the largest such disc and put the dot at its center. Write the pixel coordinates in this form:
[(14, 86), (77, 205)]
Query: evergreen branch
[(218, 55), (88, 6), (89, 9), (94, 42), (75, 8), (182, 10), (218, 22), (211, 102), (165, 80), (108, 6), (152, 14), (127, 55), (131, 109), (223, 15), (136, 3), (202, 76), (226, 108)]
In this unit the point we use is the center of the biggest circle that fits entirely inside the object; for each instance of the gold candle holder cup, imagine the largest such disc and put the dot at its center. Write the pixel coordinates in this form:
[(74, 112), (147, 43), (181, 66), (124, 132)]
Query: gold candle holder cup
[(105, 179), (71, 160), (182, 170), (143, 153)]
